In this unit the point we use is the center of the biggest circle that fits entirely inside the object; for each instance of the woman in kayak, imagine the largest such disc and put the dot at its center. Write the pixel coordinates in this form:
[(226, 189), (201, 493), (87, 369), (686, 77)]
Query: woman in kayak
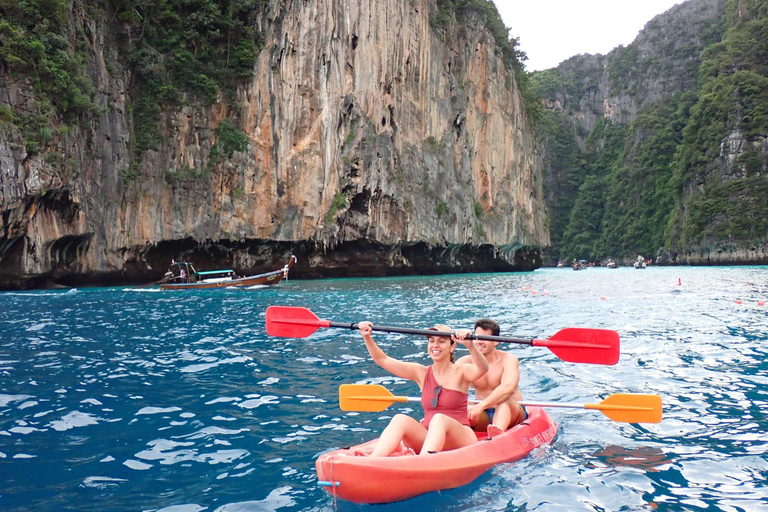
[(444, 387)]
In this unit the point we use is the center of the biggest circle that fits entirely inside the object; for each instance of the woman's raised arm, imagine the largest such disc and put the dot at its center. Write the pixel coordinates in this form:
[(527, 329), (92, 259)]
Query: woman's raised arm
[(410, 371)]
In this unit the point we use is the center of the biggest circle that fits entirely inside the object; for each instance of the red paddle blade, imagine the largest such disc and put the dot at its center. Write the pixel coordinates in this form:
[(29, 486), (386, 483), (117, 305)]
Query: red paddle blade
[(579, 345), (291, 322)]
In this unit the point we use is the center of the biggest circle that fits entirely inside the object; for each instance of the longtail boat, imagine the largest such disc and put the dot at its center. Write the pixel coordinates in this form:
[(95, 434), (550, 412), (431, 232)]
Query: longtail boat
[(183, 276)]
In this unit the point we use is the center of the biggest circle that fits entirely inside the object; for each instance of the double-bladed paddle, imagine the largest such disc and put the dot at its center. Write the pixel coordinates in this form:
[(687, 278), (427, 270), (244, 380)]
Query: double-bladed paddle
[(574, 344), (624, 407)]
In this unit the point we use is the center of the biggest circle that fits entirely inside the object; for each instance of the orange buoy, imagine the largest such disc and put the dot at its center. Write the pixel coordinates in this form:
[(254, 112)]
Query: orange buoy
[(761, 303), (738, 302)]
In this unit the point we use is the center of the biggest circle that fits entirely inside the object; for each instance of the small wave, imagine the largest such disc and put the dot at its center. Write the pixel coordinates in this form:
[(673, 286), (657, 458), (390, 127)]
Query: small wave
[(39, 294), (73, 420), (22, 430), (7, 399), (194, 368), (189, 507), (138, 466), (102, 482), (214, 431), (225, 399), (157, 410), (277, 499), (256, 402), (37, 327)]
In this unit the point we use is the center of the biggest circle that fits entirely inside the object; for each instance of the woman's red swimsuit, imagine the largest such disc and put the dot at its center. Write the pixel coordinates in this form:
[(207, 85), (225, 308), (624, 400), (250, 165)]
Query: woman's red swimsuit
[(449, 401)]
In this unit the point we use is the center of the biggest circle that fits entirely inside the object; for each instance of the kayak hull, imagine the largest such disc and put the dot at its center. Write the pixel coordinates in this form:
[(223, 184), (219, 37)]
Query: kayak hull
[(352, 475)]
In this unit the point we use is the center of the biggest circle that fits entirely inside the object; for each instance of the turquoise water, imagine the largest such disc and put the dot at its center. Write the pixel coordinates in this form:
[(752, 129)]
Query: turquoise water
[(134, 399)]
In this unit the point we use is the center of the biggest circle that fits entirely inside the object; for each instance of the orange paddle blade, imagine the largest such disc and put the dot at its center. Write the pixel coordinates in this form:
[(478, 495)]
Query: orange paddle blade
[(630, 408), (366, 397)]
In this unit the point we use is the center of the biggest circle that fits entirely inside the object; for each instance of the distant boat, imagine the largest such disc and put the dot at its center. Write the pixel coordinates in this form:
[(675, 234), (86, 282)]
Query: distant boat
[(183, 276), (612, 264), (640, 263)]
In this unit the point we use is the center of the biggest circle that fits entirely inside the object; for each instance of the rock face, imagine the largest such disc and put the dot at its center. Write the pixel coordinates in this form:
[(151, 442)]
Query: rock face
[(663, 60), (660, 145), (377, 145)]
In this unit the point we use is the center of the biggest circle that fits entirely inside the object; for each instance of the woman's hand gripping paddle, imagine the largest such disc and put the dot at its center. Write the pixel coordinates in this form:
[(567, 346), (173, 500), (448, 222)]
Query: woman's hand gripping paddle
[(623, 407), (574, 344)]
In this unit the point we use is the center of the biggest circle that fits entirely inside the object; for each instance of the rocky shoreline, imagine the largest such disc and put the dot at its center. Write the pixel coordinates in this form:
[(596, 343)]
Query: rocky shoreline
[(349, 259)]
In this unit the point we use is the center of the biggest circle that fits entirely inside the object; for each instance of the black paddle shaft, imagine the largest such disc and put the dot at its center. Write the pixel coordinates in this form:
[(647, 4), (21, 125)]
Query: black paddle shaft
[(431, 332)]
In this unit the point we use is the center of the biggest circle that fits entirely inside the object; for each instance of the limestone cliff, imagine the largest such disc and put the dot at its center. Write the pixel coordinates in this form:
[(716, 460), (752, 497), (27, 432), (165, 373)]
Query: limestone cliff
[(376, 144), (663, 60), (660, 147)]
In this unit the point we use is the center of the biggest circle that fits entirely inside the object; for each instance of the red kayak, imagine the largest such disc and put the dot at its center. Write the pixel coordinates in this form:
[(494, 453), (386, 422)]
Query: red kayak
[(352, 475)]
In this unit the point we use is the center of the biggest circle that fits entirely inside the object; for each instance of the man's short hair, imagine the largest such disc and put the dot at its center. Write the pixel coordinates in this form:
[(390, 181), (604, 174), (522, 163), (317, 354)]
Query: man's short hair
[(488, 324)]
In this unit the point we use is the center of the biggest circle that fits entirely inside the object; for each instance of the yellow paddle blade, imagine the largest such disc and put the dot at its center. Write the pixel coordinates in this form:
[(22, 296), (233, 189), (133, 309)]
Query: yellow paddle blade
[(366, 397), (630, 408)]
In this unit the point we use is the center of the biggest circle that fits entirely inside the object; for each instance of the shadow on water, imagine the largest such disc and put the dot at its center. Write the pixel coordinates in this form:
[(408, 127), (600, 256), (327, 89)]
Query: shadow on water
[(644, 457)]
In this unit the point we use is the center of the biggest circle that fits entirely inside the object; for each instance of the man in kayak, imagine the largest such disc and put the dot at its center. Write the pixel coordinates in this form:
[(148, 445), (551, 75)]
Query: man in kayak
[(444, 386), (497, 390)]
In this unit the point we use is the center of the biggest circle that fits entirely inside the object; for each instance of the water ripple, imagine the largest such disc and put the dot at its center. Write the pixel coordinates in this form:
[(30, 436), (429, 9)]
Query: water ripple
[(180, 402)]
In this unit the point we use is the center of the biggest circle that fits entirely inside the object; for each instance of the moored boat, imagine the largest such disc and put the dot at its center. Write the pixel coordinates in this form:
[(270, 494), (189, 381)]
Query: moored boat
[(352, 475), (183, 276)]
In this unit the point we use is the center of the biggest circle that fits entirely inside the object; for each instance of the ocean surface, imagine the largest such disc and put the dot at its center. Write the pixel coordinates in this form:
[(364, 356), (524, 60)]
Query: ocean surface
[(135, 399)]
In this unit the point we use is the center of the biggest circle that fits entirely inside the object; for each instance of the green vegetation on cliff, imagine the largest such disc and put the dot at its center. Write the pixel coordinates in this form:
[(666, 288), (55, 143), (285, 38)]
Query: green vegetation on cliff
[(176, 52), (449, 12), (184, 52), (562, 186), (37, 45), (720, 186), (690, 170)]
